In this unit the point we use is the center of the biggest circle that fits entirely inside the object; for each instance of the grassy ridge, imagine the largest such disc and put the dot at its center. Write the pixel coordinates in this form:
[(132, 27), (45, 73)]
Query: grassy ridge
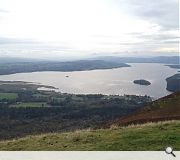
[(166, 108), (147, 137)]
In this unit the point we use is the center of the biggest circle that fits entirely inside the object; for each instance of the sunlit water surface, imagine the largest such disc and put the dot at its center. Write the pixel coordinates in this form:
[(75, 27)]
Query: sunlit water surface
[(109, 81)]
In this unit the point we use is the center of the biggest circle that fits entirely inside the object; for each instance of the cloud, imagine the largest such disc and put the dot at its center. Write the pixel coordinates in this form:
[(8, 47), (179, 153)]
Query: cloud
[(29, 48), (158, 37), (3, 11), (4, 40), (162, 12), (84, 27), (49, 46)]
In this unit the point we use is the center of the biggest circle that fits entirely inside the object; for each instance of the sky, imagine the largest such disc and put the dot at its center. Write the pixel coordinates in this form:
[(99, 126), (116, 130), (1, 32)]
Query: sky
[(85, 28)]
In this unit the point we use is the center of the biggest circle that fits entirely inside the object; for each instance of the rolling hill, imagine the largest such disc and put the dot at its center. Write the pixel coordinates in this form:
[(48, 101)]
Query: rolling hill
[(161, 127), (166, 108), (147, 137)]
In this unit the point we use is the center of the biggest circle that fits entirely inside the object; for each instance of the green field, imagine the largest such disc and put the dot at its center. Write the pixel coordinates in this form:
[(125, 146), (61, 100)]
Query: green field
[(147, 137), (8, 96), (30, 104)]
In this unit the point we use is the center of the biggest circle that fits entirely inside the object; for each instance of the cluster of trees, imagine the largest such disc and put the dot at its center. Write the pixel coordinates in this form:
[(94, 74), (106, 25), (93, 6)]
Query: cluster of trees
[(65, 112), (6, 101), (7, 98)]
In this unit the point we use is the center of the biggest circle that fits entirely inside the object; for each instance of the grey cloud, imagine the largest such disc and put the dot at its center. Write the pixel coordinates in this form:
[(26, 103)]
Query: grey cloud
[(4, 40), (33, 45), (162, 12), (3, 11), (158, 37), (171, 42)]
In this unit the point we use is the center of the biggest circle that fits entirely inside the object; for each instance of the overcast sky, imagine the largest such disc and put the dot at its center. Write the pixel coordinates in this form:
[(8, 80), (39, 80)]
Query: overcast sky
[(74, 28)]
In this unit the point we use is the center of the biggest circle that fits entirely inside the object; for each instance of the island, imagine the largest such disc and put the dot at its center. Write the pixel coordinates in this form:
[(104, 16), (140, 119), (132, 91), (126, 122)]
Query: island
[(173, 83), (142, 82)]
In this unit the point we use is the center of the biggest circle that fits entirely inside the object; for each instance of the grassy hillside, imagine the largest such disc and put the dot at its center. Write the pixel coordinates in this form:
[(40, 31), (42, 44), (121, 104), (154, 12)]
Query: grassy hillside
[(147, 137), (166, 108)]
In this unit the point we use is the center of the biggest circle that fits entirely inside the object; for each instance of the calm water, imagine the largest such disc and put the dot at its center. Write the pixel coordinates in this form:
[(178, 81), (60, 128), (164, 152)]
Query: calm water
[(110, 81)]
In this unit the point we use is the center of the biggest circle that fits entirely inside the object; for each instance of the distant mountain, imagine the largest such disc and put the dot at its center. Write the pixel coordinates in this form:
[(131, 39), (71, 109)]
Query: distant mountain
[(160, 59), (166, 108), (81, 65), (19, 65)]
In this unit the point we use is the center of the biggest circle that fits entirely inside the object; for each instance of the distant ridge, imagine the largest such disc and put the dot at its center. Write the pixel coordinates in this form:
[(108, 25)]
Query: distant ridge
[(158, 59), (81, 65)]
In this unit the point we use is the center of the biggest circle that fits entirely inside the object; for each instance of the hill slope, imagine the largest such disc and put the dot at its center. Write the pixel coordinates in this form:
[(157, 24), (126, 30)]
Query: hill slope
[(166, 108), (148, 137)]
